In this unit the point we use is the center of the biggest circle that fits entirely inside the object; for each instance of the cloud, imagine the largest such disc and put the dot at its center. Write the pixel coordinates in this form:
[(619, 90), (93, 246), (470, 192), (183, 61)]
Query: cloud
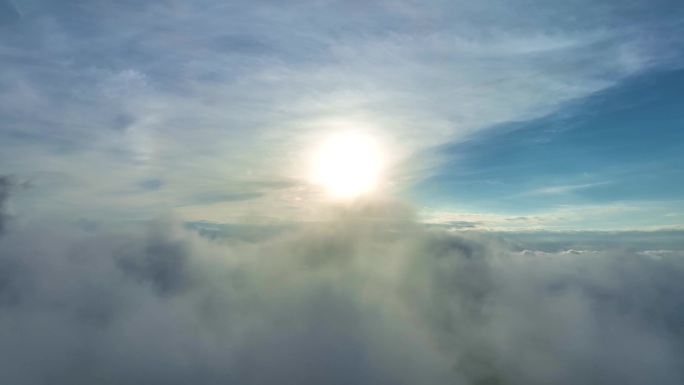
[(645, 216), (210, 108), (211, 198), (4, 195), (7, 185), (364, 297), (214, 95), (563, 189), (151, 184)]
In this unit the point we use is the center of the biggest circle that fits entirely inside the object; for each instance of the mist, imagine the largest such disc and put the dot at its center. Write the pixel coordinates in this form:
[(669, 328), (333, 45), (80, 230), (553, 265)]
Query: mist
[(367, 296)]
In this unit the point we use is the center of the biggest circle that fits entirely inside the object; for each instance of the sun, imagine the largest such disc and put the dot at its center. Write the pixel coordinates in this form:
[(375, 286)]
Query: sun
[(348, 165)]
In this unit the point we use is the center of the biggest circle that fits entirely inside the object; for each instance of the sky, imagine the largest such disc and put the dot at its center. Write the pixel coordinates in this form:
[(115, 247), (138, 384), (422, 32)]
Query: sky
[(209, 109), (171, 208)]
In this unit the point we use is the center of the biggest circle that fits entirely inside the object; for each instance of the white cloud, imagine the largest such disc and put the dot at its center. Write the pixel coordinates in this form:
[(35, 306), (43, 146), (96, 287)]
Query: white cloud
[(629, 215), (367, 296), (563, 189)]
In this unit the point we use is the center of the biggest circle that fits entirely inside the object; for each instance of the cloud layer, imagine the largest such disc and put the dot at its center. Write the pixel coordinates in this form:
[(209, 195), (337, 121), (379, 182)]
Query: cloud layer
[(208, 98), (368, 297), (119, 111)]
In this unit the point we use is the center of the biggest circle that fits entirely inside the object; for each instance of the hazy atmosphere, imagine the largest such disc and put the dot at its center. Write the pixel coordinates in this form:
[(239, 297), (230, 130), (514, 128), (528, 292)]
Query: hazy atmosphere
[(342, 192)]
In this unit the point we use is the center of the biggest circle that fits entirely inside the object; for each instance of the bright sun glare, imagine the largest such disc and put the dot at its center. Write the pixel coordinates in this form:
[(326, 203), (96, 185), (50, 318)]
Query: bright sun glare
[(348, 165)]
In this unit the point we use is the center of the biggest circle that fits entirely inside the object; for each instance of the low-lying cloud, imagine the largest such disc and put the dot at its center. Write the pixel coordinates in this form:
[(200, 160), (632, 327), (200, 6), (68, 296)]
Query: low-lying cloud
[(364, 298)]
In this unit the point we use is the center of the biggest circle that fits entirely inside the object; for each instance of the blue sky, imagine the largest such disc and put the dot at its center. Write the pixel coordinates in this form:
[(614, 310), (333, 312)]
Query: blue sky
[(620, 148), (525, 114)]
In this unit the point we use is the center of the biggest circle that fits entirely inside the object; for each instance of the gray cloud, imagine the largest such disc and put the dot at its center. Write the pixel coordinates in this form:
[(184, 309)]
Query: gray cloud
[(6, 186), (151, 184), (364, 298)]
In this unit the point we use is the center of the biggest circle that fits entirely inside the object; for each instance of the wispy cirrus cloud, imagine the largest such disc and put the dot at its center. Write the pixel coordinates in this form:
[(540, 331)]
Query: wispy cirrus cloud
[(562, 189), (211, 96)]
